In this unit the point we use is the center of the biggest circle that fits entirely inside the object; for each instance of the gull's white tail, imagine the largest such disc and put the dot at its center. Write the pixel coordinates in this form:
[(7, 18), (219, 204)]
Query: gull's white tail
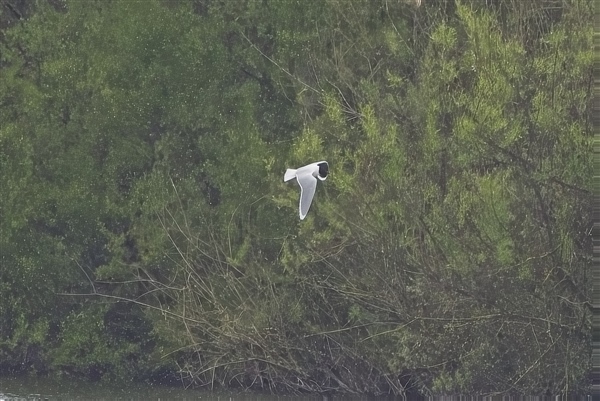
[(289, 174)]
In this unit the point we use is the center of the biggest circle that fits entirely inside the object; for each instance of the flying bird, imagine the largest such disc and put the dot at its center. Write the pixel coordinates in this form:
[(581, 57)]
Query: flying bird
[(307, 179)]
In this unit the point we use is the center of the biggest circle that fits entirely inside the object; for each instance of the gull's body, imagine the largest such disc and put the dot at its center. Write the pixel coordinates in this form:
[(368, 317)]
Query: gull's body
[(307, 179)]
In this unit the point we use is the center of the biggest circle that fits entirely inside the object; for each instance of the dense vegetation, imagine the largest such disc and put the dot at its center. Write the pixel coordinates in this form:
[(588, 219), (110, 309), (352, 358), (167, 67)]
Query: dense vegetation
[(145, 230)]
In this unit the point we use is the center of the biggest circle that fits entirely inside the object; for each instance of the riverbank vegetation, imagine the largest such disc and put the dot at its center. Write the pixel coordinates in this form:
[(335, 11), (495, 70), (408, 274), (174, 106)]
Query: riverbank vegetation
[(145, 230)]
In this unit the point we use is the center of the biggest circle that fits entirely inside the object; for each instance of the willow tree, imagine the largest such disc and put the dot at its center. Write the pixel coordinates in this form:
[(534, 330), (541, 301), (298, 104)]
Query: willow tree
[(457, 232), (143, 145), (107, 109)]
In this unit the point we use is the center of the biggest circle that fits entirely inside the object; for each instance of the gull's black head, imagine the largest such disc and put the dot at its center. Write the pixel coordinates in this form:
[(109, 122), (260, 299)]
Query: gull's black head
[(323, 170)]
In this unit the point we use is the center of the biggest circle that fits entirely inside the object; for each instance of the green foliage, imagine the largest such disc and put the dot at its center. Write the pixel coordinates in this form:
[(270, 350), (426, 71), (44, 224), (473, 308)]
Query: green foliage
[(103, 343), (145, 227)]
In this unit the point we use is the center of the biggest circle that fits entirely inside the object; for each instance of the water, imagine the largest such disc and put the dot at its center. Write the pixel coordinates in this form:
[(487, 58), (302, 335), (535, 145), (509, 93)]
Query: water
[(40, 389)]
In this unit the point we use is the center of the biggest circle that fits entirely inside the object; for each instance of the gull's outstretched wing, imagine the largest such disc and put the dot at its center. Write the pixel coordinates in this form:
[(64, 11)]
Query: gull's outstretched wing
[(308, 184), (289, 174)]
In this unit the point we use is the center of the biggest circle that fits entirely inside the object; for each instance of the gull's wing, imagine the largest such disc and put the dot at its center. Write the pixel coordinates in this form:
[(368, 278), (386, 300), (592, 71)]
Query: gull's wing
[(308, 184), (289, 174)]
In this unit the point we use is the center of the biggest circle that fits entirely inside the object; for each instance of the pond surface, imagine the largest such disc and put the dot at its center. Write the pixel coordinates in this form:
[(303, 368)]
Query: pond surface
[(38, 389), (42, 389)]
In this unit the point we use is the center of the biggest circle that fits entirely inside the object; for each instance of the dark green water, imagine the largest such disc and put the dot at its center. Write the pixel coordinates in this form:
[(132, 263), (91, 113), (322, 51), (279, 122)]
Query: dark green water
[(40, 389), (35, 389)]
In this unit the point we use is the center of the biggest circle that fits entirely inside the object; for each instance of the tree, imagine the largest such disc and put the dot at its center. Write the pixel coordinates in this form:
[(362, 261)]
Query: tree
[(144, 215)]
